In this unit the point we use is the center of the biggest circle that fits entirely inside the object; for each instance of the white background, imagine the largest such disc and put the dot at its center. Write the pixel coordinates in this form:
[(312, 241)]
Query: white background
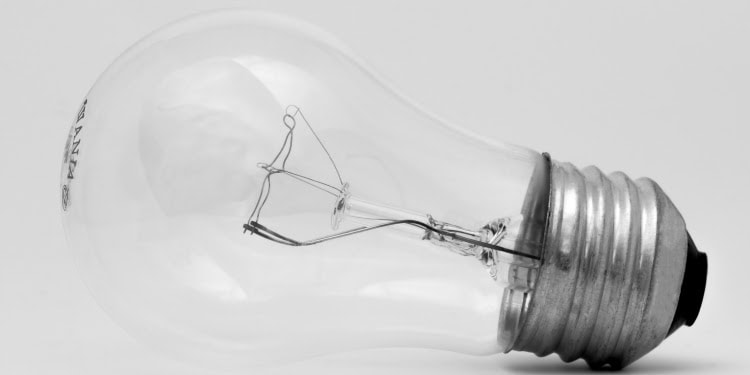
[(658, 89)]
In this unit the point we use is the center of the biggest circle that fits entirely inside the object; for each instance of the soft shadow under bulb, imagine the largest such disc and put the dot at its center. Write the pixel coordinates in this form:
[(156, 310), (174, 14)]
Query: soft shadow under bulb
[(239, 190)]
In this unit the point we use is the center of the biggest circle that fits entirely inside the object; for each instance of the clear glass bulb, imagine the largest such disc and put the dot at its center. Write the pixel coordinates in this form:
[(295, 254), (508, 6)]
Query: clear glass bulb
[(239, 189)]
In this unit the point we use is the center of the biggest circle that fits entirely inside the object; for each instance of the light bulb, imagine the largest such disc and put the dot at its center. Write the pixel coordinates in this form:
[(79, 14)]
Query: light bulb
[(238, 189)]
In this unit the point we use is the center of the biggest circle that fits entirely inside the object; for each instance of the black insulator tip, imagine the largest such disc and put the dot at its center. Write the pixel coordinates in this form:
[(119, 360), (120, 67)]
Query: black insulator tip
[(693, 287)]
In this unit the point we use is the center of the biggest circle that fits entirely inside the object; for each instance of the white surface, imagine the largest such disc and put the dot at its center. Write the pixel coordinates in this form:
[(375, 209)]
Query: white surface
[(656, 89)]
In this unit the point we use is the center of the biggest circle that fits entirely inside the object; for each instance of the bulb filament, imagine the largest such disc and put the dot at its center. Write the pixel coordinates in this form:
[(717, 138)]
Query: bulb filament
[(482, 243)]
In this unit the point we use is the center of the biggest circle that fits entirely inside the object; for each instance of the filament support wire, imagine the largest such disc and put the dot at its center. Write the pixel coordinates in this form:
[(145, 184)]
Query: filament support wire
[(261, 230)]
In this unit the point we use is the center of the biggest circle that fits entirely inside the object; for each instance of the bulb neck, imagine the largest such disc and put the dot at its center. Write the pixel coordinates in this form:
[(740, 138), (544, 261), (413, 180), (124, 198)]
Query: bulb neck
[(615, 269)]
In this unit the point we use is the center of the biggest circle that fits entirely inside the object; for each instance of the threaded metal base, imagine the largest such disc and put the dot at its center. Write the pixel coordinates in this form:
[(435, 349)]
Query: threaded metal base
[(613, 263)]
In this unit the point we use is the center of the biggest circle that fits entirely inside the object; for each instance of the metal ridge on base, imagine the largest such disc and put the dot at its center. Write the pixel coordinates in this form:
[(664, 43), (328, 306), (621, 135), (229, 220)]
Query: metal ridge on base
[(614, 259)]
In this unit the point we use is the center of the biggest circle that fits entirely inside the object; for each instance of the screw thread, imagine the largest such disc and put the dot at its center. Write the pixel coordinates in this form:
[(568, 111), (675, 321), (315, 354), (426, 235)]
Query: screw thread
[(613, 263)]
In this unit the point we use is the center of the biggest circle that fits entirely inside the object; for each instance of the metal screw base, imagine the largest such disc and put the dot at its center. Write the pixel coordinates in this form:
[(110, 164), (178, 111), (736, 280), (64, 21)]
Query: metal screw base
[(613, 264)]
